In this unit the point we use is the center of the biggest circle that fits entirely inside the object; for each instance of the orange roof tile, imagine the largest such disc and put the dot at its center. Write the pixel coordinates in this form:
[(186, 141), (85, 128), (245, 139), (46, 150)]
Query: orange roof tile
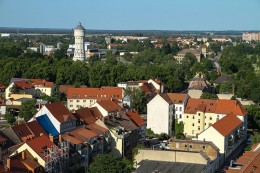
[(23, 85), (60, 112), (227, 124), (177, 97), (41, 82), (96, 113), (227, 106), (109, 105), (96, 128), (86, 115), (83, 134), (135, 117), (194, 105), (102, 93), (38, 144)]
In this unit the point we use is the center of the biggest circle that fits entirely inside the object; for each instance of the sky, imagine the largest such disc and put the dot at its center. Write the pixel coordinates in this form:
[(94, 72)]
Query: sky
[(132, 14)]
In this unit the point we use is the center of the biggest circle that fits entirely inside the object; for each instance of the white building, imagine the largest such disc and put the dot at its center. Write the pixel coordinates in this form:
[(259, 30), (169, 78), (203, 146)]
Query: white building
[(227, 134), (162, 109), (79, 52)]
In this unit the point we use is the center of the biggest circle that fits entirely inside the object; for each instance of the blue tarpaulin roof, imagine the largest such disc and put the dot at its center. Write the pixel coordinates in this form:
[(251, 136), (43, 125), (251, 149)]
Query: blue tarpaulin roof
[(46, 124)]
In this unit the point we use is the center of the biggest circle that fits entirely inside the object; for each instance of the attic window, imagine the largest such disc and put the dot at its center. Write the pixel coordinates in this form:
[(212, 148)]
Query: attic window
[(20, 132), (186, 146)]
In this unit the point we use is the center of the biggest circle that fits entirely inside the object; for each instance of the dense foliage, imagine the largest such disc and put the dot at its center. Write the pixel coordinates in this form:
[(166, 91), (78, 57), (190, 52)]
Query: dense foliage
[(108, 163), (243, 62)]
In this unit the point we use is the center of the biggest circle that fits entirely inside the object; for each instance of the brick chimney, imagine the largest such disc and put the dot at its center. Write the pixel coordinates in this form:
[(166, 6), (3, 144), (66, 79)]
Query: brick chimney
[(51, 137), (8, 163), (60, 138), (23, 155)]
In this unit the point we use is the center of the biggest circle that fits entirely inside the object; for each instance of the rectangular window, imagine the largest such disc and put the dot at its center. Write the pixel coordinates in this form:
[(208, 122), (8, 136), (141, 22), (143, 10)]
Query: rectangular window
[(192, 131), (84, 101), (180, 116), (187, 116), (71, 101), (210, 118), (77, 101), (198, 120), (193, 117), (198, 127), (199, 114), (180, 108), (192, 124), (176, 108)]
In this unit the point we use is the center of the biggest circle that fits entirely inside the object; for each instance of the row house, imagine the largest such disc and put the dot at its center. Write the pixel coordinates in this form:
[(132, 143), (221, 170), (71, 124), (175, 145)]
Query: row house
[(162, 110), (86, 97), (200, 114), (35, 87), (227, 134), (123, 131)]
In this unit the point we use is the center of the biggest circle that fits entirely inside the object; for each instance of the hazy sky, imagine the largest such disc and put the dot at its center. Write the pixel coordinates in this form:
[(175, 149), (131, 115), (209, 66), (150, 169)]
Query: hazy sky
[(132, 14)]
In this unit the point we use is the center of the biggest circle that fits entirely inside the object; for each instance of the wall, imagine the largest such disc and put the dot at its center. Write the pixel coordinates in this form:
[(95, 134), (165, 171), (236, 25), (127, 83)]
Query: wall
[(158, 115), (170, 156), (214, 136), (195, 93), (72, 104)]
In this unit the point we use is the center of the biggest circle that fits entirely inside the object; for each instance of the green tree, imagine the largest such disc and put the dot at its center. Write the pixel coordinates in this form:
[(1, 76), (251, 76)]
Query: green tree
[(255, 138), (27, 110), (10, 118), (253, 112), (207, 95), (139, 99), (178, 128), (226, 87), (110, 58), (108, 163)]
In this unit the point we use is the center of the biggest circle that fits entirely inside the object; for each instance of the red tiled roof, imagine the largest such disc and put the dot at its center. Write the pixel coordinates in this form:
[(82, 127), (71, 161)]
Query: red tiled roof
[(23, 85), (71, 139), (109, 105), (2, 86), (96, 128), (60, 112), (96, 113), (64, 88), (86, 115), (22, 131), (41, 82), (102, 93), (83, 134), (38, 144), (227, 124), (177, 97), (227, 106), (214, 106), (36, 128), (135, 117)]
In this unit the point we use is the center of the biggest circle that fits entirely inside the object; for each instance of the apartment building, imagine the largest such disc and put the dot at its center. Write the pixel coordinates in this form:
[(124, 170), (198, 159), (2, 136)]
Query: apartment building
[(87, 97)]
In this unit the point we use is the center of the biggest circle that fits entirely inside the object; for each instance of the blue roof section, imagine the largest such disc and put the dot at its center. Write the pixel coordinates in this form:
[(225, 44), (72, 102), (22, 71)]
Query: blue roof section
[(46, 124)]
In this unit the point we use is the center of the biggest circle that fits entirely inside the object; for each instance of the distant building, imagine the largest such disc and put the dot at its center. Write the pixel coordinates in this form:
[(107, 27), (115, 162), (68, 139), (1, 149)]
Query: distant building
[(79, 52), (179, 57), (251, 36)]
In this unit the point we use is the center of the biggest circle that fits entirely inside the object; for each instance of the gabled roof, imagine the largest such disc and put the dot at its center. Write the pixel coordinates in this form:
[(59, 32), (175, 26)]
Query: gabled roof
[(109, 105), (227, 106), (174, 98), (125, 122), (83, 134), (60, 112), (64, 88), (135, 117), (38, 144), (227, 124), (47, 125), (102, 93), (96, 113), (30, 83), (86, 115), (96, 128), (23, 85), (214, 106)]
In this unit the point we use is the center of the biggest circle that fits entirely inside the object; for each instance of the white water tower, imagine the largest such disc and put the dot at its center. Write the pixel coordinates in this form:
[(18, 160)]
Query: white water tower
[(79, 51)]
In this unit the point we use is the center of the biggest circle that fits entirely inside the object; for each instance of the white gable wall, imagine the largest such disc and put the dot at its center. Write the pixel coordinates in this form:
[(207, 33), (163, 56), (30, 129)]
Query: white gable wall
[(211, 134), (159, 119), (54, 121)]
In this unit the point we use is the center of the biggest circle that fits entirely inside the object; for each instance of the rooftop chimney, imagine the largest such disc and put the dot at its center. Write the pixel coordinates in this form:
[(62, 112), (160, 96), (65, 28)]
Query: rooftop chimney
[(8, 163), (23, 155), (51, 137)]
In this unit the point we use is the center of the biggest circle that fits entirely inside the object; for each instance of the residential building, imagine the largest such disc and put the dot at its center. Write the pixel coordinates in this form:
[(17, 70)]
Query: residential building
[(55, 117), (227, 134), (43, 152), (27, 131), (35, 87), (148, 86), (139, 122), (198, 85), (124, 132), (5, 144), (79, 51), (162, 109), (2, 107), (251, 36), (87, 97), (179, 57), (200, 114)]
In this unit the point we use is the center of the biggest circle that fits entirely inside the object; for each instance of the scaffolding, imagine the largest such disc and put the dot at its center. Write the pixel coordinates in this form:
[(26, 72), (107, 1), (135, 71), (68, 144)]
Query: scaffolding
[(57, 158)]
